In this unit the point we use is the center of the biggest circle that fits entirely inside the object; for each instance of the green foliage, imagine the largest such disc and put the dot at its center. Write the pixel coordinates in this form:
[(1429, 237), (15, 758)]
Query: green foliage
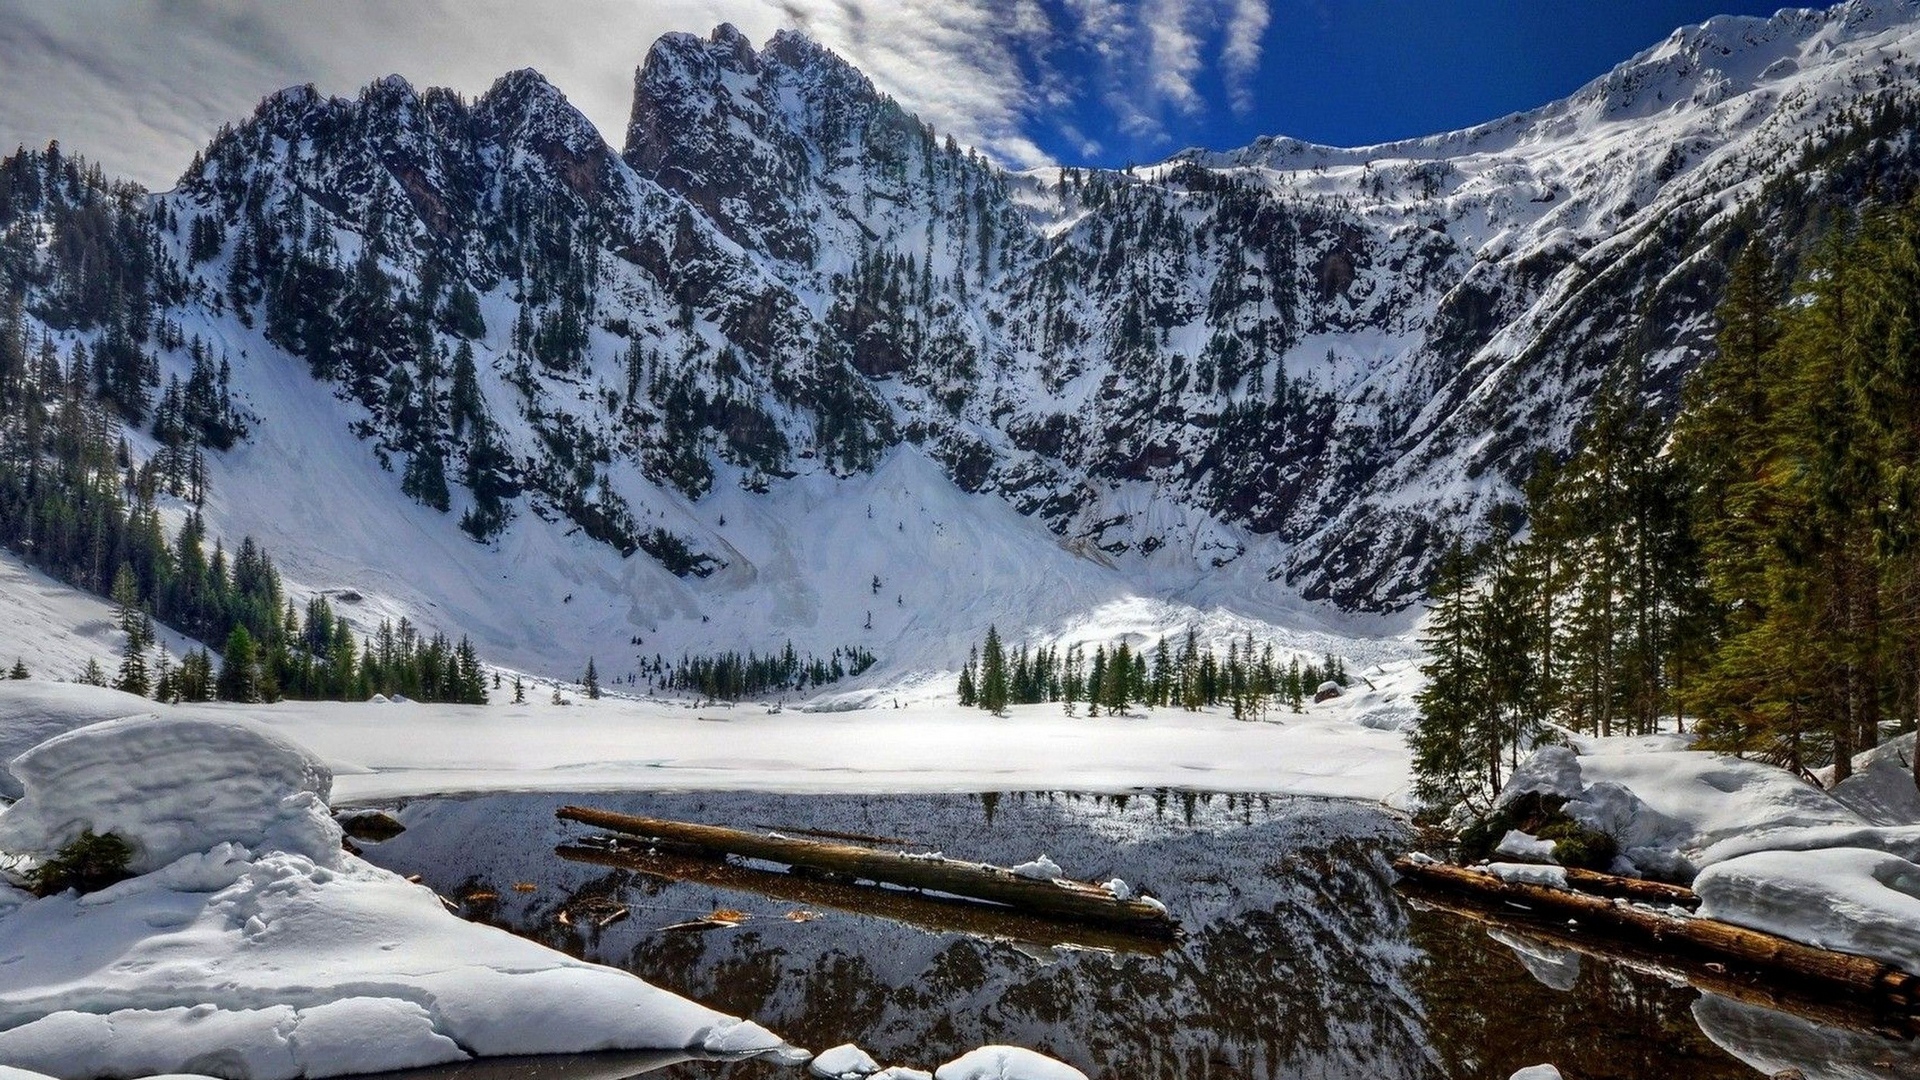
[(731, 676), (1115, 680), (87, 864)]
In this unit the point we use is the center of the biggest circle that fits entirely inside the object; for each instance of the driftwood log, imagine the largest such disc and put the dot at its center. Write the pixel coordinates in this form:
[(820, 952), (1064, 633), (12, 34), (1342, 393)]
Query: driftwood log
[(1057, 898), (1860, 978), (934, 914)]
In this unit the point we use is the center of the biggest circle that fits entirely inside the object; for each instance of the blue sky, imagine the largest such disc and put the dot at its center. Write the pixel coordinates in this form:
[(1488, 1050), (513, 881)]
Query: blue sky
[(1355, 72), (140, 84)]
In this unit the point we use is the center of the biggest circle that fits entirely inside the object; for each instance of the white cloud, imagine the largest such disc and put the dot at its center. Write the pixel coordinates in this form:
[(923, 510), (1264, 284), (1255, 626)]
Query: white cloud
[(139, 85), (1240, 55)]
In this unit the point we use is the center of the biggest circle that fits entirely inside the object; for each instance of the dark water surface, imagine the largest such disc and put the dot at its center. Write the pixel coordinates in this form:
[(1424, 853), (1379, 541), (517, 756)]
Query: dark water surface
[(1300, 960)]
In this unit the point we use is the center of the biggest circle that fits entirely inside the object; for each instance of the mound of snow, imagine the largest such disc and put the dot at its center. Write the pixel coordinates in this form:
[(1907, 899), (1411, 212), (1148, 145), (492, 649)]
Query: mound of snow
[(1006, 1063), (1550, 770), (1853, 900), (1536, 1072), (171, 787), (1881, 789), (1547, 877), (268, 953), (1525, 845), (1710, 797), (1040, 869), (1901, 840), (36, 711), (1663, 803), (843, 1062)]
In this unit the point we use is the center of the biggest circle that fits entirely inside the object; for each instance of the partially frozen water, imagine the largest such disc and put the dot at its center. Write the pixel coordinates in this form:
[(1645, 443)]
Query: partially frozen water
[(1300, 960)]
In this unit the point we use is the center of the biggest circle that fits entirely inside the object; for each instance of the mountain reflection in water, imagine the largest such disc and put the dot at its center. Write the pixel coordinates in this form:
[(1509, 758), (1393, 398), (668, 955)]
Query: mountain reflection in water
[(1299, 960)]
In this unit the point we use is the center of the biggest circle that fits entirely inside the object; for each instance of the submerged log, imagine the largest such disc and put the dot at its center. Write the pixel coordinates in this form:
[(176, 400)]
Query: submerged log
[(1058, 898), (1859, 977), (934, 914)]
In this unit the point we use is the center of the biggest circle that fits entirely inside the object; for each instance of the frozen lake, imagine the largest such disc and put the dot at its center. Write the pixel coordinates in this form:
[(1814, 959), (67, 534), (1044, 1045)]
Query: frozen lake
[(1300, 959)]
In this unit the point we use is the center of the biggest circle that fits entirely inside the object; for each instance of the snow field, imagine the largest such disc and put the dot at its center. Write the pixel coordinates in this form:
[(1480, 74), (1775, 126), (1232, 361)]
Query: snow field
[(405, 748)]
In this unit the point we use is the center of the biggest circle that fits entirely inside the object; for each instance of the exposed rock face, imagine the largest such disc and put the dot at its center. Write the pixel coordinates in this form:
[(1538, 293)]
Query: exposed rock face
[(1327, 361)]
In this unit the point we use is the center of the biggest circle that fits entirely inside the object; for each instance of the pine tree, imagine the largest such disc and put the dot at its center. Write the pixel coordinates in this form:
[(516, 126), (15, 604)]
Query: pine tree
[(133, 669), (993, 674), (591, 681), (1448, 767), (93, 674), (19, 670), (239, 669)]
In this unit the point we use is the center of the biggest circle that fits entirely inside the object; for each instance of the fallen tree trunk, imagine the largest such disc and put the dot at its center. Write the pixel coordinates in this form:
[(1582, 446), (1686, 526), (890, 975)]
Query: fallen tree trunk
[(1862, 978), (1638, 890), (1707, 976), (1058, 898), (934, 914)]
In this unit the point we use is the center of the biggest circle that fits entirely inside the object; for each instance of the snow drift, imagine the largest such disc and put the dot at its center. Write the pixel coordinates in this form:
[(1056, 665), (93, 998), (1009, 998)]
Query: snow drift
[(252, 947)]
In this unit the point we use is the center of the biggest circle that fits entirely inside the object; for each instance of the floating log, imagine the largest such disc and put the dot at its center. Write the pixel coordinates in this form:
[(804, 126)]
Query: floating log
[(1058, 898), (1859, 977), (934, 914)]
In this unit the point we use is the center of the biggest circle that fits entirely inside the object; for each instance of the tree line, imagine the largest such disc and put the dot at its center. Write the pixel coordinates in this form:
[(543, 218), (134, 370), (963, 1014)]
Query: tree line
[(1753, 570), (1247, 680)]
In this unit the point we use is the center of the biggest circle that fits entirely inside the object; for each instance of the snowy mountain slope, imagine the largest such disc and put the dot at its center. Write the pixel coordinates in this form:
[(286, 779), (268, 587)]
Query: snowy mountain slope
[(1221, 389)]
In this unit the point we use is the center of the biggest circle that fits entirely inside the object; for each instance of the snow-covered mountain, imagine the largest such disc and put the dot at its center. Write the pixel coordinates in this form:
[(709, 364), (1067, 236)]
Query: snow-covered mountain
[(791, 365)]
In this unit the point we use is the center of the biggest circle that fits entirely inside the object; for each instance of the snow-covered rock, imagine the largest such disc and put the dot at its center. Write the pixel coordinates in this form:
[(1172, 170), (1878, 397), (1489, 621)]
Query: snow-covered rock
[(1853, 900), (1525, 845), (1006, 1063), (279, 956), (1536, 1072), (843, 1062), (1550, 770), (1664, 803), (901, 1072), (170, 787)]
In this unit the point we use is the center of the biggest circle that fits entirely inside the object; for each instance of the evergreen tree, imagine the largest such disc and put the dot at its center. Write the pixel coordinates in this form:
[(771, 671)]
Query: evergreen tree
[(591, 681), (239, 669), (19, 670), (993, 674)]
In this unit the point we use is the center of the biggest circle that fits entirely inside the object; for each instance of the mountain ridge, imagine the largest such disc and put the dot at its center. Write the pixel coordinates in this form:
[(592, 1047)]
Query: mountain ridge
[(1276, 377)]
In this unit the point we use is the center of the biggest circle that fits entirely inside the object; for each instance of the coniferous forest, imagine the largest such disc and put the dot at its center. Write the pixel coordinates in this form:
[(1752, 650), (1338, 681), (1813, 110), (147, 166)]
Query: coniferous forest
[(76, 504), (1248, 680), (1751, 572)]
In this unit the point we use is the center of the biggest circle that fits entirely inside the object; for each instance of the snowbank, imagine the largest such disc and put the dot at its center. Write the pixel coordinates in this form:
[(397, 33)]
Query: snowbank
[(1881, 789), (34, 711), (1853, 900), (171, 787), (1006, 1063), (1663, 803), (270, 957)]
